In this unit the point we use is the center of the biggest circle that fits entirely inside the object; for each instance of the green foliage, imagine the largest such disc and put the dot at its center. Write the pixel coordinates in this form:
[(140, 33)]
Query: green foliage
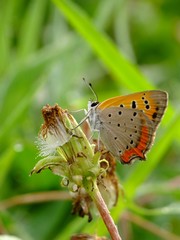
[(121, 47)]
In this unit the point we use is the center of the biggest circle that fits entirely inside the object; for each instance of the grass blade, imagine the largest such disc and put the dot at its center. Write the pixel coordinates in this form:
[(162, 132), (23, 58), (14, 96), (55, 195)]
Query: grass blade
[(125, 72)]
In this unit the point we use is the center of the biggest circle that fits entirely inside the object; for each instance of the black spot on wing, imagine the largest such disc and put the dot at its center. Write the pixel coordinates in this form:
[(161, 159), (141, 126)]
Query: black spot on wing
[(154, 115), (133, 104)]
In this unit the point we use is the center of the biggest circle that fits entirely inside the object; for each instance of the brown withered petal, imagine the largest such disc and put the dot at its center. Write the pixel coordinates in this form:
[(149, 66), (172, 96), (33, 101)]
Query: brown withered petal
[(82, 203), (52, 116), (53, 132)]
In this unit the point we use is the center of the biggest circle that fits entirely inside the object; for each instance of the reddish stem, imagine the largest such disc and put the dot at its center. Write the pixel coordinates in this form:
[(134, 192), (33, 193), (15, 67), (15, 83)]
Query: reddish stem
[(105, 214)]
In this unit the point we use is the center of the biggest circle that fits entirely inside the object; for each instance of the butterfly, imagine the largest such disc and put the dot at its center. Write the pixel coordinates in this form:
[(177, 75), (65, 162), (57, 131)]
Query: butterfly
[(127, 124)]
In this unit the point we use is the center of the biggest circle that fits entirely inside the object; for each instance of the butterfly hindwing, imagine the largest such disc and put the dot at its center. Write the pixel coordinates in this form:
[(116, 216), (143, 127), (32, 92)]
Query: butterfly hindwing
[(126, 133)]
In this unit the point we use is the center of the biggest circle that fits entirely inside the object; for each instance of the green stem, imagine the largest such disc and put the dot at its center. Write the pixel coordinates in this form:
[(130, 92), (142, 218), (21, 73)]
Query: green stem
[(104, 212)]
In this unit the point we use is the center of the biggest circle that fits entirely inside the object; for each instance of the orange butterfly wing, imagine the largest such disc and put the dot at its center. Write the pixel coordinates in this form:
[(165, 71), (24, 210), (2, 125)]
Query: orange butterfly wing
[(152, 104)]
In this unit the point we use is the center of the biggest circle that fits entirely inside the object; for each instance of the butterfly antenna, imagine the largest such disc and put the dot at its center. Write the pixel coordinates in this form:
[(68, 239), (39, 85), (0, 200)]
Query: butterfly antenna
[(92, 89)]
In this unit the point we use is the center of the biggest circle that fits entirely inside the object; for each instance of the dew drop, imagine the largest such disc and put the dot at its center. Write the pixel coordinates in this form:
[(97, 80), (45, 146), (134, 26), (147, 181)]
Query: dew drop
[(65, 182)]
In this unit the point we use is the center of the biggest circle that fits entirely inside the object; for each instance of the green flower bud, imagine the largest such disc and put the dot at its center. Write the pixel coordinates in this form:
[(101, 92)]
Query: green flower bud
[(83, 166), (66, 150)]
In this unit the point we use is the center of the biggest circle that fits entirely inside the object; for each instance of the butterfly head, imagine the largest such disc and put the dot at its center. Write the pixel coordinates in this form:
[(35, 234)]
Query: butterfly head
[(92, 104)]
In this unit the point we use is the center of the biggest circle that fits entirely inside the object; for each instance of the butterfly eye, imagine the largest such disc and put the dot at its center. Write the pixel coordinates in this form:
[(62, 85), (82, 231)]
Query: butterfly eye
[(93, 104)]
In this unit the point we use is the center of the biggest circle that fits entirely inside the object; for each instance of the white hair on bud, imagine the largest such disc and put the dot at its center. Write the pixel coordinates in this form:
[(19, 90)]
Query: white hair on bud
[(55, 137)]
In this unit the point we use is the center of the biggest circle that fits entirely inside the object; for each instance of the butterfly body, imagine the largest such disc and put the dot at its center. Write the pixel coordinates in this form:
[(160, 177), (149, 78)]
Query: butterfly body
[(127, 124)]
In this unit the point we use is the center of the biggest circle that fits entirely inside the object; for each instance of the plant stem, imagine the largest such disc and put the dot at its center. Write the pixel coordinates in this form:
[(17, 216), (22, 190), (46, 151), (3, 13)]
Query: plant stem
[(105, 214)]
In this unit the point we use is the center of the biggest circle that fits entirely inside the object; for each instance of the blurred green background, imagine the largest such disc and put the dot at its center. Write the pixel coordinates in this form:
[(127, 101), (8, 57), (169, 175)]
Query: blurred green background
[(124, 46)]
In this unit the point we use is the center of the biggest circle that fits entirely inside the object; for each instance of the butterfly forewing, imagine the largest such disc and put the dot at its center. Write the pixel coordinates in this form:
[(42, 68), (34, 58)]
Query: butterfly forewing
[(152, 103)]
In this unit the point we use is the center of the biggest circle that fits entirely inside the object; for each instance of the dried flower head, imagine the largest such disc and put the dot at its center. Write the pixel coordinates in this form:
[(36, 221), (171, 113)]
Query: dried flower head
[(68, 153), (53, 132)]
